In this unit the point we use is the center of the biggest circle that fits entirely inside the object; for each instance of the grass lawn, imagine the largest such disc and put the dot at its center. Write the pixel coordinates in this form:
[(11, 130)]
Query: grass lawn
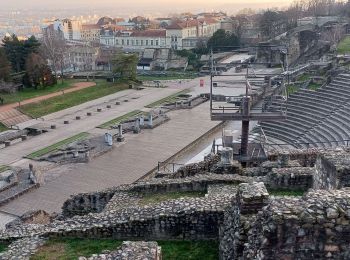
[(3, 128), (32, 93), (314, 86), (57, 146), (4, 168), (156, 198), (72, 248), (304, 77), (291, 89), (72, 99), (344, 46), (118, 120), (169, 99), (3, 246), (289, 193)]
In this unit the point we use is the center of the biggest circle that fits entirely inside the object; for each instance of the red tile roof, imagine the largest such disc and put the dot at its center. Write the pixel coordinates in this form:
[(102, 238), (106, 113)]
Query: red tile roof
[(191, 23), (149, 33)]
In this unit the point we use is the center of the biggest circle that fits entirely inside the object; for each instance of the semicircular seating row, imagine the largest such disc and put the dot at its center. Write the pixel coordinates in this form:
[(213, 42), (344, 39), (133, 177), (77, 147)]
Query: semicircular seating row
[(319, 119)]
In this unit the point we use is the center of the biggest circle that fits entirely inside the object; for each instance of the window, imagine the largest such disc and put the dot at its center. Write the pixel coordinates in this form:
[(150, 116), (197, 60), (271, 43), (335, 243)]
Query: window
[(127, 42), (146, 42), (157, 42), (137, 42), (151, 42), (141, 42), (123, 42)]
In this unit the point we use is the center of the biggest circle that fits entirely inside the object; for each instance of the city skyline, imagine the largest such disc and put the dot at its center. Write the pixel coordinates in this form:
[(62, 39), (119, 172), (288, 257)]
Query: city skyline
[(139, 6)]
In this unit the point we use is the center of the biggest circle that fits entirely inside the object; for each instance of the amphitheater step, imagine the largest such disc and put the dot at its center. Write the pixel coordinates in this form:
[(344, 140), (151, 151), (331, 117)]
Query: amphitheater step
[(13, 117)]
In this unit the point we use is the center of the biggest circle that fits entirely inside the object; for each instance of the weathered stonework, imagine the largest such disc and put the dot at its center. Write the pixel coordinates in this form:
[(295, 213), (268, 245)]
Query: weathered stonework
[(131, 250), (332, 171)]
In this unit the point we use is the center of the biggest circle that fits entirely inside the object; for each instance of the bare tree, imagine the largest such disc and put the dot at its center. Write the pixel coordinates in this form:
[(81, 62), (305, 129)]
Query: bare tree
[(54, 48)]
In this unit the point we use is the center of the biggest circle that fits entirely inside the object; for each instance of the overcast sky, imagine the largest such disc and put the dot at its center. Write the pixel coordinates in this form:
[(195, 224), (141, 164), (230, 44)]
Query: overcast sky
[(146, 5)]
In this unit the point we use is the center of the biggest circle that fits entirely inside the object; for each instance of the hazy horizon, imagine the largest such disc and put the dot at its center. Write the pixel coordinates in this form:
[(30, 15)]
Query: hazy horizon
[(140, 6)]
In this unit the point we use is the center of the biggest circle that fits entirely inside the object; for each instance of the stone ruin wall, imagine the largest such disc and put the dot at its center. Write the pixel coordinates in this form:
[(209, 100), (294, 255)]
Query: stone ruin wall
[(249, 223), (315, 226), (85, 203), (332, 171)]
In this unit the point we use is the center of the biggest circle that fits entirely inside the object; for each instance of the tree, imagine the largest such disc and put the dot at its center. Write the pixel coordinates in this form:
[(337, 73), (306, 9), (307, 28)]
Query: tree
[(17, 51), (5, 66), (37, 72), (221, 38), (272, 23), (53, 49), (125, 65)]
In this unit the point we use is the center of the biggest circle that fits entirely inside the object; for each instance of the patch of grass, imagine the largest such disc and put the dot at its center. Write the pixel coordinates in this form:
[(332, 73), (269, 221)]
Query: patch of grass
[(314, 86), (57, 146), (304, 77), (186, 250), (286, 193), (72, 248), (72, 99), (4, 168), (291, 89), (3, 246), (28, 93), (3, 128), (159, 197), (344, 46), (169, 99), (118, 120)]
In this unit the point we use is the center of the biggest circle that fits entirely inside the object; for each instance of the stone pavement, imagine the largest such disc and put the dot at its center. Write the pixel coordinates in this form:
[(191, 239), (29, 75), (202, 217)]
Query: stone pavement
[(124, 164), (14, 153)]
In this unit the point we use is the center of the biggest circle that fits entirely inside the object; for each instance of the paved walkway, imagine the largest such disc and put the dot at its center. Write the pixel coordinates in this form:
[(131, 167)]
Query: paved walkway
[(124, 164), (76, 86), (136, 100)]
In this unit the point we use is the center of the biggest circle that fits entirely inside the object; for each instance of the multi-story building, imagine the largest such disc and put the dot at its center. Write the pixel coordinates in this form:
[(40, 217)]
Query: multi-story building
[(70, 29), (90, 32), (187, 34), (134, 40), (81, 58)]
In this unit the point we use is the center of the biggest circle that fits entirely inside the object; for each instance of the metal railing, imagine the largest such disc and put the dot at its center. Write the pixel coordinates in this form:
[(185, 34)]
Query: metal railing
[(308, 144), (168, 167)]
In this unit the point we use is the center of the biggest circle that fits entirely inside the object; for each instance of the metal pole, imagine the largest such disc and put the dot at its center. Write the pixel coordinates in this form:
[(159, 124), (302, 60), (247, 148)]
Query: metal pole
[(211, 79)]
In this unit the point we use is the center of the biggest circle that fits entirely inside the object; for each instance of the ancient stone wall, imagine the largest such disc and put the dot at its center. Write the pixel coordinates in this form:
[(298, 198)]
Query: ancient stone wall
[(239, 218), (332, 171), (313, 227), (86, 203), (299, 178), (95, 202)]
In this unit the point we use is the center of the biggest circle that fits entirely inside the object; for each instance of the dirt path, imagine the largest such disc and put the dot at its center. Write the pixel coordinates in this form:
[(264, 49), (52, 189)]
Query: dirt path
[(76, 86)]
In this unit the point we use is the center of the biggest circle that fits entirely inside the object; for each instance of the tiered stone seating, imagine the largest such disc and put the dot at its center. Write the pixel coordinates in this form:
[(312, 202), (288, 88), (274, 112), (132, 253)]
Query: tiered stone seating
[(13, 117), (318, 118)]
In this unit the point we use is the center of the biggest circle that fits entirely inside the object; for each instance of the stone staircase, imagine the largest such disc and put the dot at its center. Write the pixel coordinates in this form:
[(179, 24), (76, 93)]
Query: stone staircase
[(13, 117)]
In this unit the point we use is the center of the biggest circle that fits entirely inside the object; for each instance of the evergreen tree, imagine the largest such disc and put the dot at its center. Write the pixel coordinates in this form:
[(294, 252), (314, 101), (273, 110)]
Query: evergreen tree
[(125, 65), (5, 66)]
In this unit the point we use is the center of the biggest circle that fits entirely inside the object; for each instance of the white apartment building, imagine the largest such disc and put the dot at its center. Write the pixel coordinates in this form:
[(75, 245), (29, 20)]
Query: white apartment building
[(186, 34), (179, 35), (71, 29), (134, 40)]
